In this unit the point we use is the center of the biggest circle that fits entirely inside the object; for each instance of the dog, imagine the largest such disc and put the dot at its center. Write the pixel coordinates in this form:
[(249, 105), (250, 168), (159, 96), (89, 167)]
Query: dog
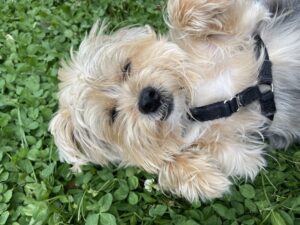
[(132, 98)]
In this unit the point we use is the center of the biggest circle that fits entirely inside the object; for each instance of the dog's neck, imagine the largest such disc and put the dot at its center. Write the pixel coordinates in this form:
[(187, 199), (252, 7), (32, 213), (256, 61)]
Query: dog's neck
[(262, 92)]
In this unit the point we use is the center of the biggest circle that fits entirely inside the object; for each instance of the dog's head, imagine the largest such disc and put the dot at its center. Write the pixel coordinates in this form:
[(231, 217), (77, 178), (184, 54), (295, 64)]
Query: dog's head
[(122, 99)]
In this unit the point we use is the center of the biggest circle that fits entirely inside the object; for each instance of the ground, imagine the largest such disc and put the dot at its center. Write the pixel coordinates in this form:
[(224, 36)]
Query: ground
[(35, 188)]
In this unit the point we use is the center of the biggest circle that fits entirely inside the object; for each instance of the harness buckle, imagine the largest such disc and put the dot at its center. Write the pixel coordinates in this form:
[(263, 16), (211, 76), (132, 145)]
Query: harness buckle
[(272, 87), (266, 88), (237, 101)]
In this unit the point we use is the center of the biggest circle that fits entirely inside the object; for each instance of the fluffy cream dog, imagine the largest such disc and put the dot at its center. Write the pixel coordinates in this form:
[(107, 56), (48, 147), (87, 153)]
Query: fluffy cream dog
[(126, 98)]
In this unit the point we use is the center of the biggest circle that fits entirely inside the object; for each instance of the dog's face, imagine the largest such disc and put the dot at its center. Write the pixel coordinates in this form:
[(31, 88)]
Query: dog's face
[(122, 99)]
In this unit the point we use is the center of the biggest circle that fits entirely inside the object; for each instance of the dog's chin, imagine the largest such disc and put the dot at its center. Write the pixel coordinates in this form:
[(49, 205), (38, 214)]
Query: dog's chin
[(174, 108), (166, 110)]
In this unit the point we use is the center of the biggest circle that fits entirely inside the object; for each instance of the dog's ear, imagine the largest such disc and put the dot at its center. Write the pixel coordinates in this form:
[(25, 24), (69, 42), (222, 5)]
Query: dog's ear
[(62, 129), (78, 145), (193, 176)]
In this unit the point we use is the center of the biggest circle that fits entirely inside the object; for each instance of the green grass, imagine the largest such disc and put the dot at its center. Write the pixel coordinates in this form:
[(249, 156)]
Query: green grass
[(35, 188)]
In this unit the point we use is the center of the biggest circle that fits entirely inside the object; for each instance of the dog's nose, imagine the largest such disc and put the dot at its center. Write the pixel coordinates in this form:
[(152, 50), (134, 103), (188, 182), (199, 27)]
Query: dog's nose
[(149, 100)]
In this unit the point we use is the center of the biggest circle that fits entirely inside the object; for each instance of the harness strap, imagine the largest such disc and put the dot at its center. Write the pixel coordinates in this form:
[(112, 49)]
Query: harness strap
[(249, 95), (265, 75), (267, 104)]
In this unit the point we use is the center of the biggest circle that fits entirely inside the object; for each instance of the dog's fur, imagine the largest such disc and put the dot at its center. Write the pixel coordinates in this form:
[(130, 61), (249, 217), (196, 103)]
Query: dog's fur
[(208, 56)]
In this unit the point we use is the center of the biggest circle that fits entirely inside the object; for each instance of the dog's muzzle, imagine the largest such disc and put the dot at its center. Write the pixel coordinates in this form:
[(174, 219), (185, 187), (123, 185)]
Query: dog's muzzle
[(152, 101)]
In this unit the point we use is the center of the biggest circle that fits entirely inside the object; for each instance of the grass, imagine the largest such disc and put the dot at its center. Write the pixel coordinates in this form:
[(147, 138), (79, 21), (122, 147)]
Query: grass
[(35, 188)]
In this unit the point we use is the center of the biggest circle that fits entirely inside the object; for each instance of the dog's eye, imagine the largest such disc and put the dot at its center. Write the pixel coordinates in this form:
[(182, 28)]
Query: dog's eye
[(113, 114), (126, 69)]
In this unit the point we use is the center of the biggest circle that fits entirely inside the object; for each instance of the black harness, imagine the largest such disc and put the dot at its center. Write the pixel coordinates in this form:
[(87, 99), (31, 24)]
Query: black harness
[(249, 95)]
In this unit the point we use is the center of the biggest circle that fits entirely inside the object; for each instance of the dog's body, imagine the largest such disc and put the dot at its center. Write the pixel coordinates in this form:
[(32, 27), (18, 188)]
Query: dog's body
[(282, 39), (210, 55)]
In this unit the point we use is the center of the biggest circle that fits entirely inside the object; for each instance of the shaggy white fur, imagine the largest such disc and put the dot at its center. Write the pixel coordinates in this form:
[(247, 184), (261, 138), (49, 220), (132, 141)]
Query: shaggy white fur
[(208, 56)]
